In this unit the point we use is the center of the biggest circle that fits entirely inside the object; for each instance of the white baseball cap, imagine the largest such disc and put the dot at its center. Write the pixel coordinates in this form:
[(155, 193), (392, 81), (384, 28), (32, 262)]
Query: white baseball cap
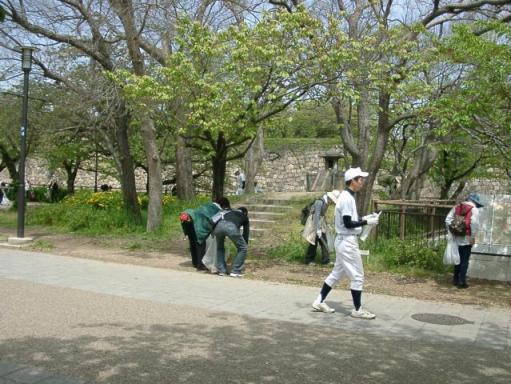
[(352, 173), (334, 195)]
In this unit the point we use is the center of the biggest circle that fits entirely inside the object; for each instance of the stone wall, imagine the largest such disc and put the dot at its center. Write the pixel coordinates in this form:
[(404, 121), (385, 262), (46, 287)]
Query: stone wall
[(284, 169), (489, 186), (37, 173)]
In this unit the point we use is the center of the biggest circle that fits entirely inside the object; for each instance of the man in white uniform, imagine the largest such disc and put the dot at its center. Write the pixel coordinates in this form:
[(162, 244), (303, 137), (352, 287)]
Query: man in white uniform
[(348, 260)]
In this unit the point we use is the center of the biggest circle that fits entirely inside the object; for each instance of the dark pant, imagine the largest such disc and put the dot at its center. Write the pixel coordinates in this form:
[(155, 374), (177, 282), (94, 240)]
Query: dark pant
[(224, 229), (197, 250), (460, 270), (311, 251)]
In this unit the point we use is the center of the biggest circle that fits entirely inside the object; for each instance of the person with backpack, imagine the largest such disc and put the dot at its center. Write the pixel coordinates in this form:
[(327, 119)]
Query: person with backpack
[(230, 226), (463, 223), (197, 226), (316, 227)]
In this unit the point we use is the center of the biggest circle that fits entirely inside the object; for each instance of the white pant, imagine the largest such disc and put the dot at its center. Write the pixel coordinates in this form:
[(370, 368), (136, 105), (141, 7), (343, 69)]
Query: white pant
[(347, 260)]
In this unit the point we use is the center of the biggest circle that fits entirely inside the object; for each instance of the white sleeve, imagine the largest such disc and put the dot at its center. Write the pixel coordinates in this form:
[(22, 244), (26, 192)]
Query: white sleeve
[(450, 217), (346, 209)]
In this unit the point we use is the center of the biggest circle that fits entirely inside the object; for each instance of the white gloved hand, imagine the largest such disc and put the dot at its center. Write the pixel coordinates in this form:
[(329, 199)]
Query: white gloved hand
[(319, 232), (371, 215), (372, 220)]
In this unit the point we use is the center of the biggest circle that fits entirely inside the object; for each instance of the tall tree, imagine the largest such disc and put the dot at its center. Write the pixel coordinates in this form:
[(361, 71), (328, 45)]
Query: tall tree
[(231, 81), (84, 30), (474, 116), (387, 48)]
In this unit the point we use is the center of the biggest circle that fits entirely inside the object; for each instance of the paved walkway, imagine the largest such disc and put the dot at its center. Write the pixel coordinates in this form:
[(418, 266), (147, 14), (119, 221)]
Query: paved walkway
[(483, 327), (479, 327)]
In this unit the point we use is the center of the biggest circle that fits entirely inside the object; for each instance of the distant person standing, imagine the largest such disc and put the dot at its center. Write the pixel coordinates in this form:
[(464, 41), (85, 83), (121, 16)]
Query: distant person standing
[(241, 182), (28, 191), (54, 191), (348, 261), (2, 186), (5, 200), (468, 212), (230, 225)]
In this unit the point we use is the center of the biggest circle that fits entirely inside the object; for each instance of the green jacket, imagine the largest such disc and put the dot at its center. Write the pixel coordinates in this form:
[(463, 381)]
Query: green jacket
[(201, 220)]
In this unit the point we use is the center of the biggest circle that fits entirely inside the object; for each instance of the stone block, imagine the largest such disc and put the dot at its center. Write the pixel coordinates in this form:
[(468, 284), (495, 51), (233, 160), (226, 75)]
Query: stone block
[(490, 268), (19, 240)]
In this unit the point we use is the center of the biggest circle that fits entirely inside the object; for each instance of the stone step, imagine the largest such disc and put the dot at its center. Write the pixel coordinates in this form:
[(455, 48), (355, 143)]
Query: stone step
[(265, 212), (263, 215), (270, 201), (257, 232), (268, 207), (261, 223)]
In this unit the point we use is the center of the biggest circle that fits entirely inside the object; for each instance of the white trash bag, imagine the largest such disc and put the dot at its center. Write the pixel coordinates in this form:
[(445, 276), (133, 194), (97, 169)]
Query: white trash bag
[(209, 259), (451, 254), (330, 236)]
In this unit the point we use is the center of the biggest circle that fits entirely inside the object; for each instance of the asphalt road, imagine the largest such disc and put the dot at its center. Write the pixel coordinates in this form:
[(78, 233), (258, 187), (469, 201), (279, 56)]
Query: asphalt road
[(70, 335)]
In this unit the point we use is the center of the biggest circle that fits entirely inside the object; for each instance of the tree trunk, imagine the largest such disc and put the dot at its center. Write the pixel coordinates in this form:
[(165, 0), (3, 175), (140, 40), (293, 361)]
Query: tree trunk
[(253, 160), (10, 163), (184, 179), (154, 208), (343, 120), (219, 163), (71, 172), (219, 167), (127, 170), (126, 13), (382, 138), (363, 120), (458, 190), (422, 164), (445, 188)]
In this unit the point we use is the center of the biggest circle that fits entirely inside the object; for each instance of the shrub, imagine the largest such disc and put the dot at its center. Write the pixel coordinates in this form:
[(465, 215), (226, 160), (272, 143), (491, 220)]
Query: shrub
[(40, 194), (409, 253), (11, 192), (103, 212), (291, 250)]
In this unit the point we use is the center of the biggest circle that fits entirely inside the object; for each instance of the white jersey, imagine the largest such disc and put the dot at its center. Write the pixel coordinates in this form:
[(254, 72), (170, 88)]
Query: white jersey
[(346, 206)]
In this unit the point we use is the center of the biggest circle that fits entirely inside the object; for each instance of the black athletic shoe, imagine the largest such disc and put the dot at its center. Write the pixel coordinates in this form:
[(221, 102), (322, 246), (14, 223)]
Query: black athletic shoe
[(462, 286)]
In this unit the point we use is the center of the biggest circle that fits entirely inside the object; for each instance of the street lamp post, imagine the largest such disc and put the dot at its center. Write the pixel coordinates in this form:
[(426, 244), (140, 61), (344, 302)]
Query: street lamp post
[(26, 66)]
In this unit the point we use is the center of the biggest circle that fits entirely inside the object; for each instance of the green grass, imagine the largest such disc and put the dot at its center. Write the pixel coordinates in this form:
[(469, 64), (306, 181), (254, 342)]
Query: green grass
[(292, 250), (285, 242), (42, 245), (88, 215), (8, 218)]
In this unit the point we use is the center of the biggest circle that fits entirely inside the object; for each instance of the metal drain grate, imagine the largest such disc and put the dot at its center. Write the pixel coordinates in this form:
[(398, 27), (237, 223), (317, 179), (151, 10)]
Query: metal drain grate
[(440, 319)]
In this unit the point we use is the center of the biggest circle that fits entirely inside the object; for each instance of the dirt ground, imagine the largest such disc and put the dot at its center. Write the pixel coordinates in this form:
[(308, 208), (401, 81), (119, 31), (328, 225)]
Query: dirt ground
[(175, 256)]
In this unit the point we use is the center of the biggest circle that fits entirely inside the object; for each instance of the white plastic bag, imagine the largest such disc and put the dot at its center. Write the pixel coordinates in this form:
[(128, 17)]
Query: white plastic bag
[(330, 237), (309, 232), (451, 254), (368, 228), (209, 259)]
